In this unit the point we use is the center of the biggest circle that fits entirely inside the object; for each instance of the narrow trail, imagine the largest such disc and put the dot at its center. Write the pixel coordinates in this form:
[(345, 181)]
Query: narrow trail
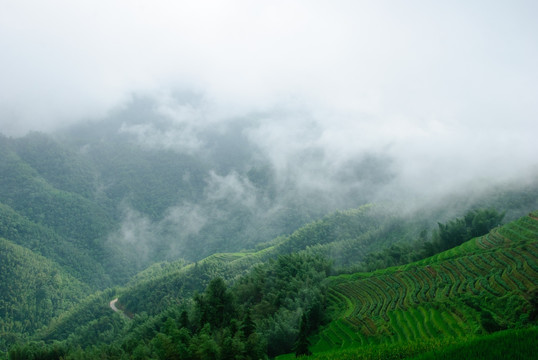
[(113, 305), (115, 309)]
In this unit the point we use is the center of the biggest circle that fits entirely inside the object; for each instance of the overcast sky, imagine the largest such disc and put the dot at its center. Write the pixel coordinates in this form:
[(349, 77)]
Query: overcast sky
[(429, 80)]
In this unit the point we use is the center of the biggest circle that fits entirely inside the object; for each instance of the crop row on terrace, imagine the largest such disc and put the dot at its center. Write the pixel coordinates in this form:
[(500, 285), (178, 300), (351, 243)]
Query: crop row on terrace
[(507, 344), (416, 302), (493, 239)]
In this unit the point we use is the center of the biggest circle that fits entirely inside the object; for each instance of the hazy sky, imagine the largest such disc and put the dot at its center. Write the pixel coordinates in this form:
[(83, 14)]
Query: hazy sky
[(428, 81)]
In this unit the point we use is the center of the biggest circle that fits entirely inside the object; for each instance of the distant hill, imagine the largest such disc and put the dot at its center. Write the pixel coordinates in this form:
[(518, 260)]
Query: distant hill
[(118, 204), (67, 227)]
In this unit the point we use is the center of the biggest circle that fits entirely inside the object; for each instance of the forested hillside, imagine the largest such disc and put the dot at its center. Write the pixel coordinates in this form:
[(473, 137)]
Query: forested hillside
[(268, 180), (157, 289), (95, 214), (123, 205), (276, 300), (33, 290), (62, 225)]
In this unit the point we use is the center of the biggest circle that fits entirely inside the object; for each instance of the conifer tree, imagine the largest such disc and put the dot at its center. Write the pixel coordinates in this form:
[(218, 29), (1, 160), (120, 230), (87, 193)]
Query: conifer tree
[(301, 346)]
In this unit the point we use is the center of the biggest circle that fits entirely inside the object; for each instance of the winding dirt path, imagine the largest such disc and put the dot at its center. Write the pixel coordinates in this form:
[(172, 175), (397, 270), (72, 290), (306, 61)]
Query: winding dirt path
[(113, 307)]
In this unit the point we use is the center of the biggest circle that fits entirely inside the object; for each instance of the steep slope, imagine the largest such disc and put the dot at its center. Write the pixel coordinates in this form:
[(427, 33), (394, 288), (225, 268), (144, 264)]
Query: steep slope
[(75, 259), (484, 285), (68, 213), (33, 290), (61, 167), (65, 226)]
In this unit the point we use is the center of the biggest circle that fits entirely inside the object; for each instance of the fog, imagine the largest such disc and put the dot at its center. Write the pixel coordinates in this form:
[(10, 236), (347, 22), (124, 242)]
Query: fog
[(443, 94)]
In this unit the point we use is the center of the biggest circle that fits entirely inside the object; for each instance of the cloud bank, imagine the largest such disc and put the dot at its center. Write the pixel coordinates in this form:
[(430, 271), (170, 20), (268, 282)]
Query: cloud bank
[(447, 90)]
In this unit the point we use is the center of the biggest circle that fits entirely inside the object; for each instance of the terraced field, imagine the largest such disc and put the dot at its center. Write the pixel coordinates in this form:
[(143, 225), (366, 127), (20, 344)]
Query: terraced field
[(444, 296)]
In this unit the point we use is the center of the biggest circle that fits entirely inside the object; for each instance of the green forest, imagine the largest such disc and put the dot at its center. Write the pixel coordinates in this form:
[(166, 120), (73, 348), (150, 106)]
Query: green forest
[(113, 250)]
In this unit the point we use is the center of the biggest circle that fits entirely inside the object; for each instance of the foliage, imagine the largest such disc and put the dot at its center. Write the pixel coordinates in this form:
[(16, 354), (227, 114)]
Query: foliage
[(64, 210), (448, 235), (302, 343), (248, 318), (216, 306), (278, 292), (33, 290), (72, 257), (474, 223)]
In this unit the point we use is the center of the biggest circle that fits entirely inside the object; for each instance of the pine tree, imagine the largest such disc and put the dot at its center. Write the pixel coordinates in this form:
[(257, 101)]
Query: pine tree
[(301, 346)]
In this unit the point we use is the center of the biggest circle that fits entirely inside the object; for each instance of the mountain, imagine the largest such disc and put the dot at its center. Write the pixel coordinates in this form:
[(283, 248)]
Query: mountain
[(101, 212), (57, 223)]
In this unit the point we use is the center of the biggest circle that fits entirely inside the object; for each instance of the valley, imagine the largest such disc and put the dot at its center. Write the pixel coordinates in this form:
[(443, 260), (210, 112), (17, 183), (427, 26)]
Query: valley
[(144, 253)]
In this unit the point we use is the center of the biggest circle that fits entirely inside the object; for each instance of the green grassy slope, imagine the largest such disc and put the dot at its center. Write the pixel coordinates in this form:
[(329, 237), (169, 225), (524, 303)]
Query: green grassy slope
[(484, 285), (506, 344)]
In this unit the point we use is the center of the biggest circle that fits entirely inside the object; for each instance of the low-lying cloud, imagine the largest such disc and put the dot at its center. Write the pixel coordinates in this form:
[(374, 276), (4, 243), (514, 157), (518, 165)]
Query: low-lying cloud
[(442, 94), (162, 239)]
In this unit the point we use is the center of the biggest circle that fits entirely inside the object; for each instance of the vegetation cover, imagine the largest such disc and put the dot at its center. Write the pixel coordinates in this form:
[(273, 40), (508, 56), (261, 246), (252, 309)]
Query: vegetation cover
[(487, 284), (94, 219), (289, 303), (33, 290)]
